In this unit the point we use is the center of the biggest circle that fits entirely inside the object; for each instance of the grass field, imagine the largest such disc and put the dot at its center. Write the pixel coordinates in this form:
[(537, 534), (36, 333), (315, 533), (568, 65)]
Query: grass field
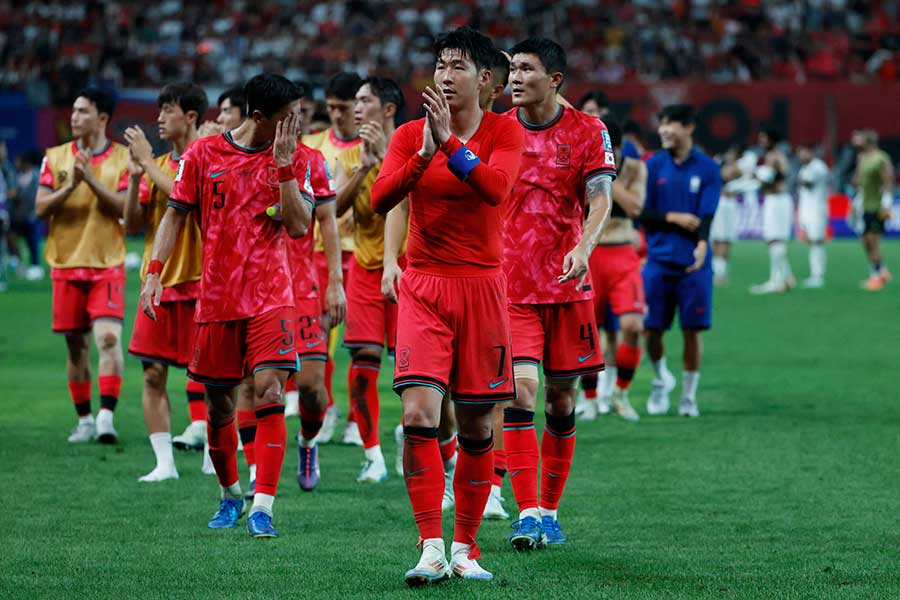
[(787, 487)]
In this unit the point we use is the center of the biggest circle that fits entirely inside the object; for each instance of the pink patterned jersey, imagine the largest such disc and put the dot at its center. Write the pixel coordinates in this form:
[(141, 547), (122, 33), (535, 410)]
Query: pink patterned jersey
[(300, 251), (245, 260), (545, 211)]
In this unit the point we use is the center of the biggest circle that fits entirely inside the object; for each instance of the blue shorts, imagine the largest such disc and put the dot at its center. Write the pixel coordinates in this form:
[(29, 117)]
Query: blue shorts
[(611, 322), (667, 287)]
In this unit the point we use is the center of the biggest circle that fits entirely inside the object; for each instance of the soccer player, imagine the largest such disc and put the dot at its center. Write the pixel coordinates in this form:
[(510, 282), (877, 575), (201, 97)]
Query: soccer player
[(245, 311), (616, 276), (682, 194), (457, 166), (723, 231), (81, 194), (168, 341), (340, 98), (778, 214), (371, 318), (812, 184), (567, 162), (232, 108), (874, 179)]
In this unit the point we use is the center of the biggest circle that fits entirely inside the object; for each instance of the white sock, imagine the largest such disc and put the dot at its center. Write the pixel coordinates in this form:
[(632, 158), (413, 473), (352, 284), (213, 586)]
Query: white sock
[(777, 252), (374, 454), (86, 419), (689, 381), (530, 512), (262, 503), (720, 267), (450, 463), (162, 448), (460, 548), (232, 491), (305, 442), (495, 489), (609, 381), (659, 368), (252, 472), (817, 261), (436, 543), (546, 512)]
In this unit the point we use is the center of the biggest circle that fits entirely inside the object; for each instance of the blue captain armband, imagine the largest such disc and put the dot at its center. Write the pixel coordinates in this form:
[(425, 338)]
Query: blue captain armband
[(462, 162)]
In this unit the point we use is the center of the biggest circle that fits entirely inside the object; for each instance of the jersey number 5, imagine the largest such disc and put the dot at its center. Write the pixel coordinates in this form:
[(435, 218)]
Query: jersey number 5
[(218, 195)]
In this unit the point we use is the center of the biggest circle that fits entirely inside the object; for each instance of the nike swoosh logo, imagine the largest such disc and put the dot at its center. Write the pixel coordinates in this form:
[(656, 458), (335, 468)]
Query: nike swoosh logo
[(493, 384), (516, 472), (214, 175), (553, 475), (581, 359), (313, 344), (479, 482), (283, 352), (112, 305), (275, 445), (414, 473)]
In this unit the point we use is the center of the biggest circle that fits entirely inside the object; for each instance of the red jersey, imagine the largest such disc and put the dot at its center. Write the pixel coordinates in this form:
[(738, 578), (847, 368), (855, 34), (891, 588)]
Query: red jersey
[(454, 225), (545, 211), (245, 263), (300, 251)]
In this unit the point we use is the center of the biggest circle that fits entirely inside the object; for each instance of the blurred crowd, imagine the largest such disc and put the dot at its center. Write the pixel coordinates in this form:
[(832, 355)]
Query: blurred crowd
[(50, 49)]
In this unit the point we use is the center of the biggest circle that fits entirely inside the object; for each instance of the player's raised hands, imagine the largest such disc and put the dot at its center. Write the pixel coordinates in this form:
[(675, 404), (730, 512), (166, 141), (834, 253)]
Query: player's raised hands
[(134, 166), (575, 266), (208, 128), (287, 131), (82, 168), (429, 147), (437, 107), (139, 145), (374, 143), (151, 294)]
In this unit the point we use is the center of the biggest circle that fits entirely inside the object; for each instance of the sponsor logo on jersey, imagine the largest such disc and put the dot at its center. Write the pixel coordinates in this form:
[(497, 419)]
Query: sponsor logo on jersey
[(563, 155), (331, 185), (607, 142), (180, 171)]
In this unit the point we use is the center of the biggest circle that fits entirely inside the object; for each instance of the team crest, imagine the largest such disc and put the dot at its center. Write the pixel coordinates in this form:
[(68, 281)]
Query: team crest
[(63, 175), (563, 155), (272, 176)]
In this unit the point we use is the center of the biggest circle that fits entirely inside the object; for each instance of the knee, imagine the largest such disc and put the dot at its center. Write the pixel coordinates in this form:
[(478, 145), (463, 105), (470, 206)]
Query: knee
[(310, 383), (155, 376), (108, 341), (476, 427), (632, 327), (268, 391)]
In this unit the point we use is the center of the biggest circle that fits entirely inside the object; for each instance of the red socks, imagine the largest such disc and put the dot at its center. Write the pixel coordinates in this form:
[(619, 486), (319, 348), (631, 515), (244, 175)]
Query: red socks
[(424, 475), (589, 385), (471, 486), (223, 444), (80, 391), (271, 432), (110, 387), (557, 449), (499, 467), (448, 449), (289, 385), (363, 386), (520, 441), (246, 420), (196, 395), (329, 374), (310, 422), (627, 360)]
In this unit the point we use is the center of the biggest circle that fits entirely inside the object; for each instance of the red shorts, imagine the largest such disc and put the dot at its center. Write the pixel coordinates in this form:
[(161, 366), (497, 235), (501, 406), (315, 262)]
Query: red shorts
[(77, 303), (311, 341), (453, 335), (561, 336), (227, 351), (371, 318), (322, 270), (616, 275), (169, 339)]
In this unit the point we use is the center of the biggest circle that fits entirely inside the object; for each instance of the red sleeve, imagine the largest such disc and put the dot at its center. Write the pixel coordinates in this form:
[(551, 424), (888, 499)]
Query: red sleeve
[(144, 191), (401, 170), (123, 181), (600, 158), (320, 177), (46, 179), (494, 180), (186, 188)]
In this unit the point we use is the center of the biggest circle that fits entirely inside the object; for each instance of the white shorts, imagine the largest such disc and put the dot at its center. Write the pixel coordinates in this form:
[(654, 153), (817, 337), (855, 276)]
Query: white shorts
[(725, 223), (778, 217), (812, 216)]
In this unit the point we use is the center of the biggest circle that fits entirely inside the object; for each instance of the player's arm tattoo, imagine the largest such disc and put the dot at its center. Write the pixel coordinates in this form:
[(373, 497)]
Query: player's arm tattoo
[(598, 196)]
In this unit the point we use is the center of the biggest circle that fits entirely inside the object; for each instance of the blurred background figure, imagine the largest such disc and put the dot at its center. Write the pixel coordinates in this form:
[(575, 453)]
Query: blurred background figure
[(875, 195), (812, 194)]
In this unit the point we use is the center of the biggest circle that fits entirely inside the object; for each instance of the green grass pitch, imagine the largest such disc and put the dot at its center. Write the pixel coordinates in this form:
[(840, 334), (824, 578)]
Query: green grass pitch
[(786, 487)]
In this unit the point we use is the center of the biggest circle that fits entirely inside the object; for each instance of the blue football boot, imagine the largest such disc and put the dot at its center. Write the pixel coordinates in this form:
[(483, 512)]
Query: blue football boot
[(308, 467), (553, 530), (230, 510), (259, 524), (528, 534)]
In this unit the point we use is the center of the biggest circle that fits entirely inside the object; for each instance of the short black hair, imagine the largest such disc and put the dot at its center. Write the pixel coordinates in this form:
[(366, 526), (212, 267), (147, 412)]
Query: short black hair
[(614, 129), (269, 93), (551, 54), (343, 86), (305, 87), (473, 44), (387, 91), (189, 96), (597, 96), (104, 100), (236, 96), (500, 67), (680, 113), (773, 134), (631, 127)]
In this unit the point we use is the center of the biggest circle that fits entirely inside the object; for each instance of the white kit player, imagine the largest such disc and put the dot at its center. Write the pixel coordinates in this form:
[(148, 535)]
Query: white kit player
[(812, 190), (737, 177)]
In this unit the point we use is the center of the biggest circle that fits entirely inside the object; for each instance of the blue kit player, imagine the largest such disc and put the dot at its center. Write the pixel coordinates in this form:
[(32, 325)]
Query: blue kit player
[(683, 186)]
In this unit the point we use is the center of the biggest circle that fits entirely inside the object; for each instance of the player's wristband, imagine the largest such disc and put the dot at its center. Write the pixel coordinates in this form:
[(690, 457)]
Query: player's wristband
[(462, 162), (286, 174), (155, 267)]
